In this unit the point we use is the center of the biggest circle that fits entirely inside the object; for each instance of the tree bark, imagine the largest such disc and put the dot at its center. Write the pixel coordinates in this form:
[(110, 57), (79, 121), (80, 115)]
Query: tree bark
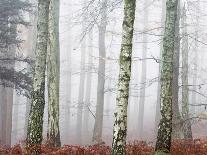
[(158, 115), (176, 129), (53, 74), (31, 41), (35, 121), (163, 142), (120, 124)]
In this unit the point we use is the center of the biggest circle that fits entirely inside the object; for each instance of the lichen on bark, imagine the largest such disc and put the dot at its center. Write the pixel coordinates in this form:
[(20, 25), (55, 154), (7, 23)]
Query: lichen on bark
[(53, 70), (120, 124), (35, 121), (163, 142)]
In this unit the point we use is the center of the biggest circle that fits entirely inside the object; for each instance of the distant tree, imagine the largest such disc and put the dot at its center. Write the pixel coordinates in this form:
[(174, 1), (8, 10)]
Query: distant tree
[(163, 143), (11, 16), (185, 92), (120, 124), (81, 82), (97, 133), (143, 74)]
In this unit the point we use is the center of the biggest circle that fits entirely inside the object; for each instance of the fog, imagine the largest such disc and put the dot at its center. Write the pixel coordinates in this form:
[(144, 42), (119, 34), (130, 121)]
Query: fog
[(80, 23)]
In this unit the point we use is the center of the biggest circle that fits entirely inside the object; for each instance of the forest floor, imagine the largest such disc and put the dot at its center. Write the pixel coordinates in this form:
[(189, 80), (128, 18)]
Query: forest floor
[(179, 147)]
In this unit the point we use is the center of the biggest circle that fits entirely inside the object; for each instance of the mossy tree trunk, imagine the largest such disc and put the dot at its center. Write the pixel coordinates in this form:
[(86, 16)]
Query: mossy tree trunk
[(120, 124), (176, 129), (157, 115), (35, 121), (185, 93), (53, 74), (163, 142)]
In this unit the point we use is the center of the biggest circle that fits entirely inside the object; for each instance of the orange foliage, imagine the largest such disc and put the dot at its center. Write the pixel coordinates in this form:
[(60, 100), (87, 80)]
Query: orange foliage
[(179, 147)]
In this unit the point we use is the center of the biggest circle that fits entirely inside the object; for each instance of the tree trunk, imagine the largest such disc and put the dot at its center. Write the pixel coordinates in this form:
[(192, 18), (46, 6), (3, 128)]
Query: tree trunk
[(81, 86), (144, 71), (158, 115), (35, 121), (163, 142), (53, 74), (6, 95), (31, 41), (185, 93), (88, 88), (120, 124), (97, 133), (195, 63), (176, 131)]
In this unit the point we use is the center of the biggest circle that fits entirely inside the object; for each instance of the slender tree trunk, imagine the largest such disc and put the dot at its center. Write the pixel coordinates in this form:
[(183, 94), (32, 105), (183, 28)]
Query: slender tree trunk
[(88, 88), (35, 121), (81, 87), (144, 71), (69, 84), (163, 142), (120, 124), (97, 133), (6, 95), (31, 39), (185, 93), (176, 131), (53, 70), (195, 63), (158, 115)]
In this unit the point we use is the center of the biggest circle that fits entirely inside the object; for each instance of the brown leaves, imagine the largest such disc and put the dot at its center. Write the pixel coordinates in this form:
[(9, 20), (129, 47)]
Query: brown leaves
[(179, 147)]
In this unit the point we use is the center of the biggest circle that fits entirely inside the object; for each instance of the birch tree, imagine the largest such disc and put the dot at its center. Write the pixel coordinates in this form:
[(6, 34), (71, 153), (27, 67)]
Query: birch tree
[(120, 124), (163, 142), (157, 114), (35, 121), (185, 93), (97, 133), (53, 73)]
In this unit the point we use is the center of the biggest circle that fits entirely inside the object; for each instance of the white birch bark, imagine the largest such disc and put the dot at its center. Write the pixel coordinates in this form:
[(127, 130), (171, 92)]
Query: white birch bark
[(120, 124), (35, 121)]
